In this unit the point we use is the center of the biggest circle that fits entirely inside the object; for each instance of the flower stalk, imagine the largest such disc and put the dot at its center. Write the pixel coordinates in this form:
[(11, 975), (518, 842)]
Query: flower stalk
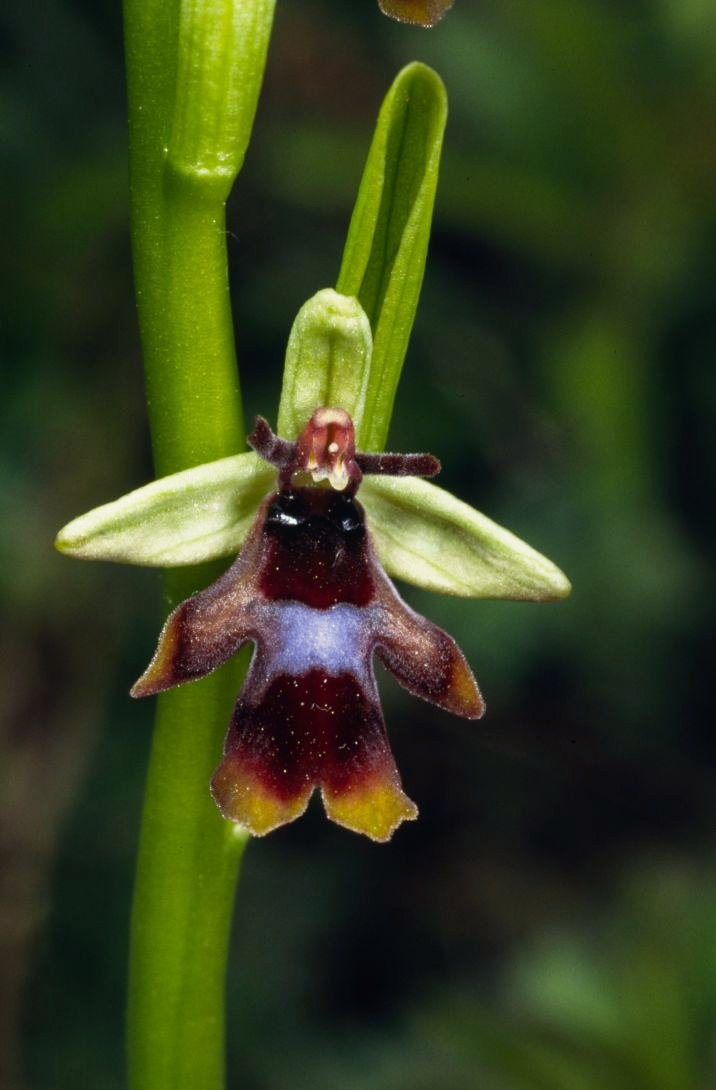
[(194, 70)]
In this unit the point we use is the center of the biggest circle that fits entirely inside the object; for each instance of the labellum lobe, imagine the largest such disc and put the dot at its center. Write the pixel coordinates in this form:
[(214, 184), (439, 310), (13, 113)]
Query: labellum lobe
[(309, 592)]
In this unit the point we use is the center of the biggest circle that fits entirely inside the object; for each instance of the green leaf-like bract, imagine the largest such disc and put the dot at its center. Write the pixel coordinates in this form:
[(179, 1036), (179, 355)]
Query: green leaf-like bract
[(384, 256)]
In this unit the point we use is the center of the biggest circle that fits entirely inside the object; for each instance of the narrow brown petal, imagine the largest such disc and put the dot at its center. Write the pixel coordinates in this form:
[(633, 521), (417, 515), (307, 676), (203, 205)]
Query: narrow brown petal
[(399, 465)]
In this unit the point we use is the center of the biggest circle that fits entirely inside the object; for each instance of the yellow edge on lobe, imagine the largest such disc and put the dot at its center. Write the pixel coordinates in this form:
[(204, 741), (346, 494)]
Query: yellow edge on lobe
[(375, 806), (159, 675), (466, 698), (242, 797)]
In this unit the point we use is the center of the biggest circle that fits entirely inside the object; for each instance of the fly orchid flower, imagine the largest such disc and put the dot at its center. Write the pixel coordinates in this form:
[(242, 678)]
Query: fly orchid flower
[(308, 590), (311, 587)]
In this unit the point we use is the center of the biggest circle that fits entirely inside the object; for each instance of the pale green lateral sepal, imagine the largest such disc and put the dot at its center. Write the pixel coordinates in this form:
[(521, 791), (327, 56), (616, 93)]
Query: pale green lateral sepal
[(327, 361), (427, 537), (186, 518)]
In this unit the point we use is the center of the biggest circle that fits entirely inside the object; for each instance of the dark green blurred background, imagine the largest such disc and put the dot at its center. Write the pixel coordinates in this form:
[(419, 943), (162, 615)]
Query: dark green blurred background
[(550, 922)]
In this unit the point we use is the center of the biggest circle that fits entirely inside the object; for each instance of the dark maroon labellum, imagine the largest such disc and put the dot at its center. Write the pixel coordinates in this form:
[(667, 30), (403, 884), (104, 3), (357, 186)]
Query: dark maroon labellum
[(310, 593)]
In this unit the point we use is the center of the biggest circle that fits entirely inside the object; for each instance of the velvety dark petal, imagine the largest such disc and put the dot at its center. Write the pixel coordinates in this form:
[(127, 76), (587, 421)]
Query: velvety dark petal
[(207, 629), (303, 732), (398, 465), (423, 658), (278, 452)]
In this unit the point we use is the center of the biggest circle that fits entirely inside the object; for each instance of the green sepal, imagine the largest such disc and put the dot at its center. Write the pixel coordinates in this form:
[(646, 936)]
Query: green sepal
[(384, 256), (186, 518), (327, 361), (425, 536)]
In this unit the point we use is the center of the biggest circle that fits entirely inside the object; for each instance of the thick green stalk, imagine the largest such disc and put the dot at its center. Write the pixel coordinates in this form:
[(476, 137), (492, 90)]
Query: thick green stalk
[(186, 874), (194, 69)]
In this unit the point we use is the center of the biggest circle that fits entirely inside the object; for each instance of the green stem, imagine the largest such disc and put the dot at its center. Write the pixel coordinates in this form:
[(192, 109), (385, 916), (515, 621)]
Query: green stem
[(192, 381), (186, 875), (194, 69)]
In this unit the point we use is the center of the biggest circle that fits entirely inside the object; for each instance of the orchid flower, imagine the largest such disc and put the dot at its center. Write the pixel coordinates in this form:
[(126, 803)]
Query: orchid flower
[(311, 588), (309, 592)]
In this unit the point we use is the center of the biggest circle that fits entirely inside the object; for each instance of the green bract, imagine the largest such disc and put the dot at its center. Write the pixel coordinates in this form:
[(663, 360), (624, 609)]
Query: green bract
[(384, 256), (221, 54)]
